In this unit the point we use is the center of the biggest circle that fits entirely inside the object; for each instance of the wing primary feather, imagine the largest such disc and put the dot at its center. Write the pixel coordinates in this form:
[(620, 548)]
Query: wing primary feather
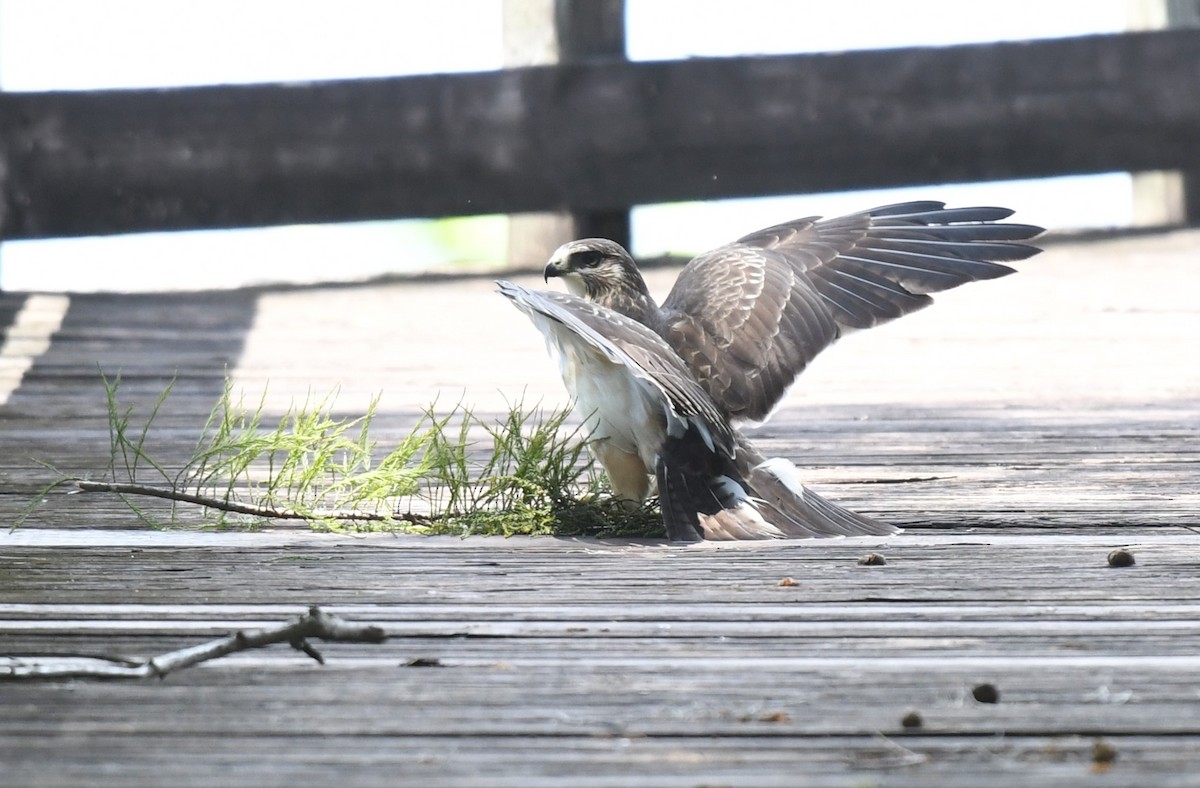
[(962, 250), (919, 207), (944, 215), (959, 232), (931, 274), (877, 304)]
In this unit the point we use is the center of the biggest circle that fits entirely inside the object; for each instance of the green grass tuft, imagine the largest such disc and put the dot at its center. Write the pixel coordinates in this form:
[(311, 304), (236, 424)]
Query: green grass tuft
[(530, 473)]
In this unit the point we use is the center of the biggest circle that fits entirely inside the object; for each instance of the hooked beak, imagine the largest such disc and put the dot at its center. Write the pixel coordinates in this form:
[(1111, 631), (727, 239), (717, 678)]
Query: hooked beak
[(553, 268)]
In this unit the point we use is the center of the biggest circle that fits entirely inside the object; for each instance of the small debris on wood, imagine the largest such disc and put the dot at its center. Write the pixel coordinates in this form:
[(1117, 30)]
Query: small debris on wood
[(423, 662), (787, 582), (767, 716), (1103, 754), (1120, 557), (872, 559), (986, 693), (911, 721)]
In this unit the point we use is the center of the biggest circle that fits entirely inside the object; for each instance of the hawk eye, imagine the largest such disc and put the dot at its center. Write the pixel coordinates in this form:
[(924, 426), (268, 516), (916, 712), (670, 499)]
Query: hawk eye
[(589, 258)]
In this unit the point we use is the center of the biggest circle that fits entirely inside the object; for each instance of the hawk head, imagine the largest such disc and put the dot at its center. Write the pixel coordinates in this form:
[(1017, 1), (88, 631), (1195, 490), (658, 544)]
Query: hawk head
[(598, 270)]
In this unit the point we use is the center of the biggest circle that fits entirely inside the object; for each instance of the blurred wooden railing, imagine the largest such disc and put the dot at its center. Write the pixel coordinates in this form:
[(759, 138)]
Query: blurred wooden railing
[(599, 134)]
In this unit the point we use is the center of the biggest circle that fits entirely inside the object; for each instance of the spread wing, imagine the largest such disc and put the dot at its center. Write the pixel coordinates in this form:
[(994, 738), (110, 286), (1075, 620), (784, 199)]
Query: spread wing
[(749, 316), (712, 482), (643, 353)]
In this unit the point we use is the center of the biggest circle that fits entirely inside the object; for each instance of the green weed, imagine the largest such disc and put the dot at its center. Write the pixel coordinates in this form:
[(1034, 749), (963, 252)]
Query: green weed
[(528, 473)]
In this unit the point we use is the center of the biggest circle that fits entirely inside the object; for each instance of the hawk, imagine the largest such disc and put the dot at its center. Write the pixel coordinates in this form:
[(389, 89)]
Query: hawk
[(664, 386)]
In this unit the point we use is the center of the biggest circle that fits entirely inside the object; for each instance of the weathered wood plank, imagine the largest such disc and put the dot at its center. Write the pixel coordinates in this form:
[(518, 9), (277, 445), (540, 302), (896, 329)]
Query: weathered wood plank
[(615, 760), (595, 136), (1056, 406), (550, 669), (974, 569), (507, 700)]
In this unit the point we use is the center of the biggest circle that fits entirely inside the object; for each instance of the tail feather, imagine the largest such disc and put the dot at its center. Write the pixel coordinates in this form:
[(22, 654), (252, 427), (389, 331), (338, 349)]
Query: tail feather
[(704, 495), (679, 512), (794, 509), (807, 515), (701, 496), (741, 521)]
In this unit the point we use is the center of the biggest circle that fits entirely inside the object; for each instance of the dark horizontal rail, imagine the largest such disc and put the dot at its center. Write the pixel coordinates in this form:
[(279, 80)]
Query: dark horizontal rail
[(596, 136)]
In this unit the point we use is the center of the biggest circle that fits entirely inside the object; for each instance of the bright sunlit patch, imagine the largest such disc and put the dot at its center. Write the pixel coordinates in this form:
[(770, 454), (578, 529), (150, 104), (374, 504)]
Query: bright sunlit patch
[(720, 28), (1053, 203), (28, 337), (238, 258), (69, 45)]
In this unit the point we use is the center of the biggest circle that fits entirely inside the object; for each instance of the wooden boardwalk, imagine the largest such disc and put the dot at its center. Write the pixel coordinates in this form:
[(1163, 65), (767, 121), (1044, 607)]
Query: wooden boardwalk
[(1020, 430)]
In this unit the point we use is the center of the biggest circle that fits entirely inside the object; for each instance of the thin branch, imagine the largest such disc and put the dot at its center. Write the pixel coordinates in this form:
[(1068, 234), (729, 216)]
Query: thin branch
[(314, 624), (224, 505)]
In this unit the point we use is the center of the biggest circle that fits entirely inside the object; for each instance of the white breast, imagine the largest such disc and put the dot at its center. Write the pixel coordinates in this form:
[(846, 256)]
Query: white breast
[(615, 404)]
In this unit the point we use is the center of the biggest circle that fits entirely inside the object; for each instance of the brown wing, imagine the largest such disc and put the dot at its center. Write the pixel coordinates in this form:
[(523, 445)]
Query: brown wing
[(749, 316), (639, 350)]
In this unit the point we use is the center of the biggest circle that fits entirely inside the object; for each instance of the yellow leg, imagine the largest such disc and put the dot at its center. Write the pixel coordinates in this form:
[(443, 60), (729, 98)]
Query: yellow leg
[(627, 473)]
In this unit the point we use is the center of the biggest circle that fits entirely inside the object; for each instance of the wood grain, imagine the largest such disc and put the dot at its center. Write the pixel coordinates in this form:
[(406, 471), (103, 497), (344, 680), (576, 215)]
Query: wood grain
[(1020, 430)]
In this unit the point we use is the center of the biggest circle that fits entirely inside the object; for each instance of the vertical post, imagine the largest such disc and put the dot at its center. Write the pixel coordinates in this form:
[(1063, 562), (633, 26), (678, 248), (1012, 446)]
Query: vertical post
[(4, 143), (1170, 197), (1186, 13), (544, 32), (588, 29), (529, 40)]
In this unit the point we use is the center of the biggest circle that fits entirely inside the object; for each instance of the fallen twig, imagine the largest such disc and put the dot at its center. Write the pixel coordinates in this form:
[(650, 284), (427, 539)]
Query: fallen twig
[(221, 504), (314, 624)]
